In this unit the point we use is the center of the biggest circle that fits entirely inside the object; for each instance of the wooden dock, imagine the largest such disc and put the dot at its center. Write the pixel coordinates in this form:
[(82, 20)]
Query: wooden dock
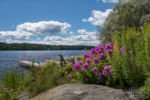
[(29, 64), (38, 64)]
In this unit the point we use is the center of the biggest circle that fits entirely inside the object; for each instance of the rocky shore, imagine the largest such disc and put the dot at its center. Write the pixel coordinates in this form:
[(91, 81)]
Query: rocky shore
[(84, 92)]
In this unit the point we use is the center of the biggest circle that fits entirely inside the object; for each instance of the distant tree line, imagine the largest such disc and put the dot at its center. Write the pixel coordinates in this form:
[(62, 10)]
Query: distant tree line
[(30, 46)]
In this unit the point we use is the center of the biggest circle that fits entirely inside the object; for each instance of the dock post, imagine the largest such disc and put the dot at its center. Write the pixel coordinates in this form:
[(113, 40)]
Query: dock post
[(62, 60), (29, 59)]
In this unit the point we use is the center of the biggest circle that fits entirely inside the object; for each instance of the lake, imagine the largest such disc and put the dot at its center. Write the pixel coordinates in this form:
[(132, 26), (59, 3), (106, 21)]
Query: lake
[(9, 59)]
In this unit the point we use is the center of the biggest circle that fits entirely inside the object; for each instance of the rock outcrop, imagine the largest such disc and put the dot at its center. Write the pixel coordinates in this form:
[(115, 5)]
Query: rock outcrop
[(84, 92)]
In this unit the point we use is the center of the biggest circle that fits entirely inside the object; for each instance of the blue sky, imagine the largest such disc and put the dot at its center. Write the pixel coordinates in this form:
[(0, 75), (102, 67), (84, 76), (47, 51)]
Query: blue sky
[(66, 22)]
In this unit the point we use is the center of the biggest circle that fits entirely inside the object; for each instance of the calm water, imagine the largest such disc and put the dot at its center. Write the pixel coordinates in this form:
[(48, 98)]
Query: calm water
[(9, 59)]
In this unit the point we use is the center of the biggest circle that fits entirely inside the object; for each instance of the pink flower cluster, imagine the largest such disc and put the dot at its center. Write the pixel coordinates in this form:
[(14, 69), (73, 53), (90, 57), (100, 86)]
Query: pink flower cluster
[(107, 70), (122, 50), (93, 59), (95, 69), (77, 65), (109, 48)]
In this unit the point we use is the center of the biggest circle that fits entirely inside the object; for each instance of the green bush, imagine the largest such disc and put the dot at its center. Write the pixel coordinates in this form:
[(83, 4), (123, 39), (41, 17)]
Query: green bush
[(35, 82), (94, 67), (11, 85), (42, 79), (144, 91), (11, 79), (131, 67)]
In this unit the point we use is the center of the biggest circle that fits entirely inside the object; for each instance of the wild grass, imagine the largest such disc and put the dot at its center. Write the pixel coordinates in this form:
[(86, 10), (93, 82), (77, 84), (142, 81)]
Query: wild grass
[(132, 67), (34, 83)]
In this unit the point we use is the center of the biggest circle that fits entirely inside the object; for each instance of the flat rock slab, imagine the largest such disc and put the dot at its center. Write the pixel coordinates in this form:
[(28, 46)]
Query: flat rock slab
[(84, 92)]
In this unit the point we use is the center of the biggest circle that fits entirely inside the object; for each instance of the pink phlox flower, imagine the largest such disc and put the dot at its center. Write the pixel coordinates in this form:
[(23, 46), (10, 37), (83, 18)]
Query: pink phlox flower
[(107, 58), (107, 70), (93, 51), (80, 62), (87, 55), (101, 47), (101, 55), (122, 50), (96, 60), (76, 66), (110, 52), (69, 76), (86, 66), (86, 79), (88, 60), (99, 74), (95, 69), (109, 46), (83, 69)]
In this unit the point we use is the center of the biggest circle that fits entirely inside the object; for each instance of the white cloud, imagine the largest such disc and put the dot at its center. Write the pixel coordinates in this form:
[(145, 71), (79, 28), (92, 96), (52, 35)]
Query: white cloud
[(84, 32), (41, 27), (12, 41), (110, 1), (84, 20), (24, 31), (15, 34), (71, 32), (98, 17), (84, 38), (72, 40), (38, 38), (53, 38), (114, 1)]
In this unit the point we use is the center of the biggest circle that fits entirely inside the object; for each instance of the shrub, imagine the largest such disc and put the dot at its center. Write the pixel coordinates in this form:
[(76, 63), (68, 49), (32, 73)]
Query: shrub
[(35, 82), (144, 91), (11, 85), (129, 56), (132, 62), (42, 79), (11, 79), (94, 67)]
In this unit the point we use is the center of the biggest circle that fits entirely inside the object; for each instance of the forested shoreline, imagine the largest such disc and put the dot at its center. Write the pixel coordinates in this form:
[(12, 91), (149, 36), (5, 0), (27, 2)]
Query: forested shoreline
[(30, 46)]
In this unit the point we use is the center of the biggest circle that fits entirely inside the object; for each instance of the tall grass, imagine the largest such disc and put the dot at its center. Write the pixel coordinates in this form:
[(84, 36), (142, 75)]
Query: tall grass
[(11, 80), (35, 82), (11, 85), (43, 79), (132, 67)]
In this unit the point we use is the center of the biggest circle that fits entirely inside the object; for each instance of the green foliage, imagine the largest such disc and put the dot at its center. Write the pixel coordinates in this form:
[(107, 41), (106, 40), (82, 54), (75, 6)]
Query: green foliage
[(43, 79), (11, 79), (90, 77), (35, 82), (11, 85), (93, 77), (132, 13), (131, 68), (78, 58), (144, 91)]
